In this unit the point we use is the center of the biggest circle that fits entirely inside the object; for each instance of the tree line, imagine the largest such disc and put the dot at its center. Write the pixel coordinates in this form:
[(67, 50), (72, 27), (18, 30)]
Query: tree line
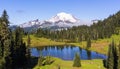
[(13, 51)]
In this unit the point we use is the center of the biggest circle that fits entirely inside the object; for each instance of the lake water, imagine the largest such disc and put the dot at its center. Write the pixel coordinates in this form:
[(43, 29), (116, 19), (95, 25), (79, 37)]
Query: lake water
[(66, 52)]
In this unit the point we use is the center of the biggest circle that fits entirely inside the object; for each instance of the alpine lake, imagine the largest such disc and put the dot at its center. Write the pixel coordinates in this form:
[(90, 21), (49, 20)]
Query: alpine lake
[(66, 52)]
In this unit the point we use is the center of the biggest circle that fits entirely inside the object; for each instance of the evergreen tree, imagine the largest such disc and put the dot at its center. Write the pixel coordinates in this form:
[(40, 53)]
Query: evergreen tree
[(112, 61), (19, 57), (77, 61), (5, 40), (28, 55), (12, 51), (1, 50), (28, 41), (5, 17), (119, 56), (115, 54), (88, 43), (5, 34)]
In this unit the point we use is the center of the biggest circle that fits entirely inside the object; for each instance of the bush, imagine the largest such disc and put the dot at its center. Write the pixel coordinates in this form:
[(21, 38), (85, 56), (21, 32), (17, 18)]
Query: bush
[(40, 61), (45, 61), (48, 60)]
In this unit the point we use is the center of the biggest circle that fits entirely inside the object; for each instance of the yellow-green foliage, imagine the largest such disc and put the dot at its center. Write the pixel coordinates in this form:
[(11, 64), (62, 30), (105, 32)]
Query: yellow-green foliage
[(35, 42), (86, 64)]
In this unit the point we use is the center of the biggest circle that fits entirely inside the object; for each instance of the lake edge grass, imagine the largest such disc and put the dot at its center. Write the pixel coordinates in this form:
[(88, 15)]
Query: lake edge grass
[(68, 64)]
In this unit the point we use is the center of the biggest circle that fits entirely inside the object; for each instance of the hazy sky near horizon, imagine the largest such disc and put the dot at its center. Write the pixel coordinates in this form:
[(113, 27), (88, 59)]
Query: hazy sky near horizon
[(21, 11)]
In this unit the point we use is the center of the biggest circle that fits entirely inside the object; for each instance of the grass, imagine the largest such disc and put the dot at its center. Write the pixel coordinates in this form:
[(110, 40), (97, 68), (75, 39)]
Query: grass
[(86, 64), (100, 45), (36, 42)]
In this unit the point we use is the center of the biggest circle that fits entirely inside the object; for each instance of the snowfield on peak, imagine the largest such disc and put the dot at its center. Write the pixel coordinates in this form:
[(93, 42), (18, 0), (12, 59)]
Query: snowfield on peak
[(59, 21), (63, 17)]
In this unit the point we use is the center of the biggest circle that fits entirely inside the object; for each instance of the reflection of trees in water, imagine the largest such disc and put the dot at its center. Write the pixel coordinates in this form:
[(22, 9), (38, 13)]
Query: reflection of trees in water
[(60, 47), (71, 47), (48, 48), (89, 54), (40, 48), (53, 47), (80, 49), (40, 53)]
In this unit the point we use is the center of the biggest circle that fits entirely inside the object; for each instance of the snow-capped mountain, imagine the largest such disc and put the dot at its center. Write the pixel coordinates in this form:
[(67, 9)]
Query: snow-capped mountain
[(63, 17), (30, 23), (61, 20)]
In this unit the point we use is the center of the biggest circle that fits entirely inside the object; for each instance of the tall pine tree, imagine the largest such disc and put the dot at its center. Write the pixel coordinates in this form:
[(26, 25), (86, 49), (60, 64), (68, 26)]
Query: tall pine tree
[(28, 55), (112, 61), (88, 43), (19, 57), (119, 56), (5, 34), (5, 39)]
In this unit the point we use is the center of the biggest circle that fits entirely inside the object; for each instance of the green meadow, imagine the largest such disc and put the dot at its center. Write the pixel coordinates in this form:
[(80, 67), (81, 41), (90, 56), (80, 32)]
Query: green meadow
[(86, 64)]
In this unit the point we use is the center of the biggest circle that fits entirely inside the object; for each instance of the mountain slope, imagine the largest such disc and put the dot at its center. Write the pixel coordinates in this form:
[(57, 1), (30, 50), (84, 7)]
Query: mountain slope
[(59, 21)]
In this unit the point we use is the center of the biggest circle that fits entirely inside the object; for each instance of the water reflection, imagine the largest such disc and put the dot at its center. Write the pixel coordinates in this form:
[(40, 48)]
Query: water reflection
[(66, 52)]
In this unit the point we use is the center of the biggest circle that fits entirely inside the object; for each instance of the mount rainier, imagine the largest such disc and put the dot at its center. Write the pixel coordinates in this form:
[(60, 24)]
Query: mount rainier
[(60, 21)]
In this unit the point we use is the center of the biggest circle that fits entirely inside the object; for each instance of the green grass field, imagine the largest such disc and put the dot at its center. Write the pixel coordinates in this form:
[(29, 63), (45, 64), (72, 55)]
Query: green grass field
[(36, 42), (86, 64)]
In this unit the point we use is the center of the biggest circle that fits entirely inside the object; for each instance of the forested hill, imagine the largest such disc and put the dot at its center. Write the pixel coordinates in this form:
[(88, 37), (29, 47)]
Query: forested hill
[(113, 19), (102, 29)]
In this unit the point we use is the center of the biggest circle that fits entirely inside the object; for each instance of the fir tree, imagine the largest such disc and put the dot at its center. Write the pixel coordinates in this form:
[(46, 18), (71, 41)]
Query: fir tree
[(88, 43), (28, 41), (112, 61), (5, 34), (5, 18), (5, 40), (28, 55), (19, 57), (1, 49), (115, 54), (77, 61), (119, 56)]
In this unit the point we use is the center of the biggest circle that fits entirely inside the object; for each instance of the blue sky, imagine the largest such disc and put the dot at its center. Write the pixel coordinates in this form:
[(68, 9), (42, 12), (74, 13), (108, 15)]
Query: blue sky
[(21, 11)]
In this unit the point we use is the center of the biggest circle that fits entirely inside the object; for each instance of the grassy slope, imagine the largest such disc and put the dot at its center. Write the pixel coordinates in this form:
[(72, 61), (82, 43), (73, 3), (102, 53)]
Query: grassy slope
[(36, 42), (86, 64), (100, 45)]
